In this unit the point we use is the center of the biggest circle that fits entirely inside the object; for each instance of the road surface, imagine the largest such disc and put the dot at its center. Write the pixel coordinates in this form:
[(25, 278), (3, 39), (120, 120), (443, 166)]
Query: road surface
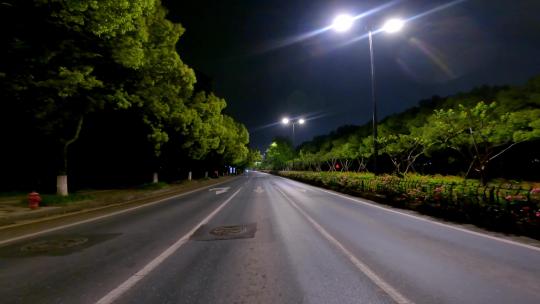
[(288, 243)]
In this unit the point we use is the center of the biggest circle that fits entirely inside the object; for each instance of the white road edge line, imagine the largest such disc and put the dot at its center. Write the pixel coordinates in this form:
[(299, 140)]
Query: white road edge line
[(362, 202), (22, 237), (391, 291), (114, 294)]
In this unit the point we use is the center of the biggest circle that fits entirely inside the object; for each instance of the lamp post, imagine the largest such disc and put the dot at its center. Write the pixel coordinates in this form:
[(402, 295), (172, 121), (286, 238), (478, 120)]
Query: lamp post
[(343, 23), (299, 121)]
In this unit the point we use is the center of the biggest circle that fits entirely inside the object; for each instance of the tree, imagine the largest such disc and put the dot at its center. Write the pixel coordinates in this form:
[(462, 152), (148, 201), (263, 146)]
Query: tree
[(161, 86), (366, 151), (234, 142), (56, 68), (201, 128), (481, 134), (403, 149), (253, 158), (279, 153), (66, 60)]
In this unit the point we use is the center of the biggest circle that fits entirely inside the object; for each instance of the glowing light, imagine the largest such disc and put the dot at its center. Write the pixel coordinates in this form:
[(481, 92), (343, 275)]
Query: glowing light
[(393, 25), (285, 121), (342, 23), (301, 121)]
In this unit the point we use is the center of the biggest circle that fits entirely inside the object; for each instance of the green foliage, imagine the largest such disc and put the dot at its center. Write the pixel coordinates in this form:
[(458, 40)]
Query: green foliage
[(233, 141), (201, 126), (53, 200), (254, 156), (481, 133), (279, 154), (105, 18), (86, 57), (463, 127)]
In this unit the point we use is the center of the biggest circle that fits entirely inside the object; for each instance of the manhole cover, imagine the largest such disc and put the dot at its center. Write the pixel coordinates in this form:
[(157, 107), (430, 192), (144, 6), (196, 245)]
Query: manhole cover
[(228, 232), (55, 244)]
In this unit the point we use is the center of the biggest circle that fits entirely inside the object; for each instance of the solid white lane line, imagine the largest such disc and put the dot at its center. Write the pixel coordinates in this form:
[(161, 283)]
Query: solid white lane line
[(371, 204), (103, 216), (114, 294), (391, 291)]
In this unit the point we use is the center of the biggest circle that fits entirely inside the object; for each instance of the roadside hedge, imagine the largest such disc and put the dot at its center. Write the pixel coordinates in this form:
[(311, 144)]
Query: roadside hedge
[(503, 206)]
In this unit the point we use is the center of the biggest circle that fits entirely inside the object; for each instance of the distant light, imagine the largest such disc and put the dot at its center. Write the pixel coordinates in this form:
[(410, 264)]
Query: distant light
[(342, 23), (301, 121), (393, 25), (285, 121)]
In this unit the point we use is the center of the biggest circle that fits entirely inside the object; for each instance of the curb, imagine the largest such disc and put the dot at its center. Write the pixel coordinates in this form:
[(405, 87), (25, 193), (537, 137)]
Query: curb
[(91, 206)]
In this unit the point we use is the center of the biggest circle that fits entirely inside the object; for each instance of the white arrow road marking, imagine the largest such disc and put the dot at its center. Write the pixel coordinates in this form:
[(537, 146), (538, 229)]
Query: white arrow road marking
[(220, 190), (259, 190)]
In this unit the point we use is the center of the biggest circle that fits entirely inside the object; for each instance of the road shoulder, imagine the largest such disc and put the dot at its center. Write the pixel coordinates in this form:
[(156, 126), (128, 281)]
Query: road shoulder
[(17, 227)]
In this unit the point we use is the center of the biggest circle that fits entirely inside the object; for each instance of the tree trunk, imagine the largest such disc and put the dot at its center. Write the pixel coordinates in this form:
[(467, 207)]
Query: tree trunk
[(155, 178), (61, 185), (61, 179)]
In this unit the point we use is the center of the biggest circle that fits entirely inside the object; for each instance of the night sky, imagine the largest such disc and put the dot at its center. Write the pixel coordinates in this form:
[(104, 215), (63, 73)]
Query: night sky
[(252, 51)]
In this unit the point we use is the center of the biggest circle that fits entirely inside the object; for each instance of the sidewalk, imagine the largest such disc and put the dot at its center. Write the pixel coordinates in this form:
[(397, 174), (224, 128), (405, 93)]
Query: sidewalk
[(15, 213)]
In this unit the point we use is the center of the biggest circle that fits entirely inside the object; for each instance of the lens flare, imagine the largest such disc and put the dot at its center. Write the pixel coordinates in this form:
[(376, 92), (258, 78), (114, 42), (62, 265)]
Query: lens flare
[(342, 23), (434, 55), (393, 25)]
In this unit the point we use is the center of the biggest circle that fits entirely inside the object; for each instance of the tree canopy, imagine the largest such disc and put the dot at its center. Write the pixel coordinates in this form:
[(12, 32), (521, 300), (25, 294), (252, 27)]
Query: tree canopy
[(68, 60), (467, 131)]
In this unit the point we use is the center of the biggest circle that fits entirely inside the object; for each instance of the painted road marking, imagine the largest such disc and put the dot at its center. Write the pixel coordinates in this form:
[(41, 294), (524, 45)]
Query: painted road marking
[(259, 190), (114, 294), (220, 190), (391, 291)]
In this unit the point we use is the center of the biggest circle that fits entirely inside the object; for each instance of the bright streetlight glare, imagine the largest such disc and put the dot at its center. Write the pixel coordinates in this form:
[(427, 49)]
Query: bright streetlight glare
[(342, 23), (285, 121), (393, 25), (301, 121)]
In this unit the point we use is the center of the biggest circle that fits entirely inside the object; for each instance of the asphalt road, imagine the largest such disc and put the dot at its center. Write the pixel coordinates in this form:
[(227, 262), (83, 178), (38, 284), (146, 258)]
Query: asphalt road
[(289, 243)]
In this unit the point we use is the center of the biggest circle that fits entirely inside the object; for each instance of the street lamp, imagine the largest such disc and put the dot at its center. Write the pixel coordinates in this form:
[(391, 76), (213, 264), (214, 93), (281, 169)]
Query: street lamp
[(342, 23), (299, 121)]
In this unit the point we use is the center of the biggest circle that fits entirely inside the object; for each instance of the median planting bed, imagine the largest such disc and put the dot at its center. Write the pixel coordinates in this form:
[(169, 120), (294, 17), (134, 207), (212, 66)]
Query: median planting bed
[(503, 205)]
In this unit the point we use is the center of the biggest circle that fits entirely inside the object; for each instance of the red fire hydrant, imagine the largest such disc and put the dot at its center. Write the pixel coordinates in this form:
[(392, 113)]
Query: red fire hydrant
[(33, 200)]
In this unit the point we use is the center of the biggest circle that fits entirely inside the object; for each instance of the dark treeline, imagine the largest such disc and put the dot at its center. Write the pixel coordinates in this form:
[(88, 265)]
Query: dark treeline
[(491, 131), (96, 90)]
